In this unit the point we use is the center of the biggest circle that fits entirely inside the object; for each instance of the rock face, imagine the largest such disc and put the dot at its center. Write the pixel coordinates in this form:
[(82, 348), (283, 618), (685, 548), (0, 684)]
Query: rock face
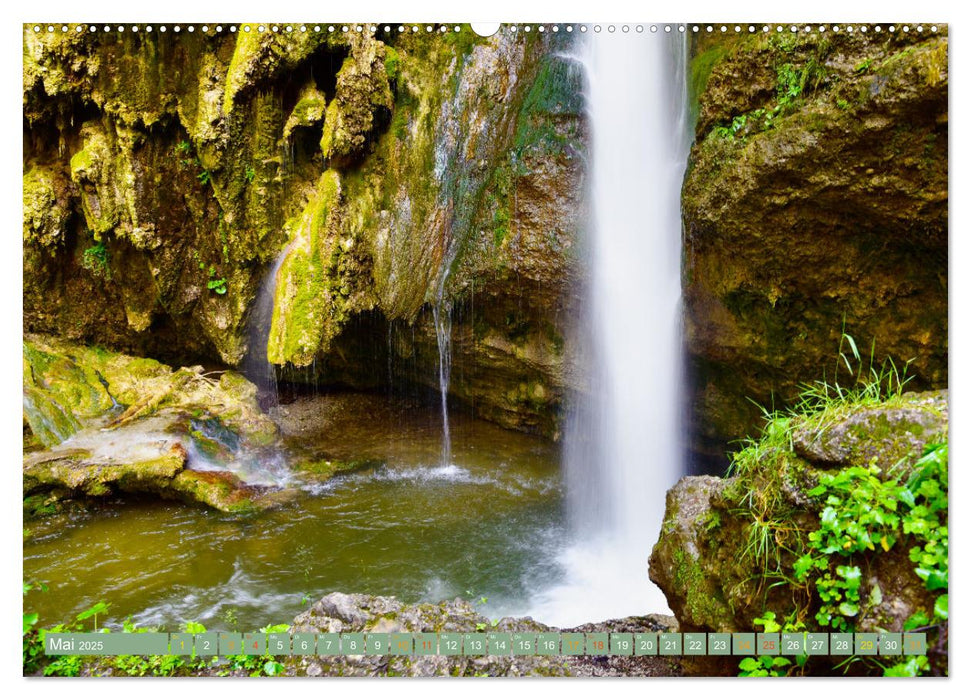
[(98, 423), (815, 202), (344, 613), (731, 549), (164, 174)]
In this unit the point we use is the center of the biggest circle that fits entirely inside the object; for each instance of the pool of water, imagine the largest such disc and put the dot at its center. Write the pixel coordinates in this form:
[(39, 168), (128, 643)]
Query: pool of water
[(486, 525)]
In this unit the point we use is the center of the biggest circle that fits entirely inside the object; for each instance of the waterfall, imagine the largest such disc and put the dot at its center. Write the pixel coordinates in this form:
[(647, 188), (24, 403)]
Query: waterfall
[(442, 314), (623, 447), (257, 368)]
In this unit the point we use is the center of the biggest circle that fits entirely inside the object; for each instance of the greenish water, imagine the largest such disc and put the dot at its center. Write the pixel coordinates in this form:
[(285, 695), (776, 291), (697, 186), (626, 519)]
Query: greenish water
[(487, 525)]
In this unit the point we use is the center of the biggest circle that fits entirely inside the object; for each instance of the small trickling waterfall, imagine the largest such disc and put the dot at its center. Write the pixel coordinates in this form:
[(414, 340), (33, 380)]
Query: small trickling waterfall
[(442, 313), (623, 446), (256, 366), (442, 316)]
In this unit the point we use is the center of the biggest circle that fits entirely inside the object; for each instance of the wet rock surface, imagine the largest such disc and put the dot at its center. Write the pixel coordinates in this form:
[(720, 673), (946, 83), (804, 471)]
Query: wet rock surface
[(100, 423)]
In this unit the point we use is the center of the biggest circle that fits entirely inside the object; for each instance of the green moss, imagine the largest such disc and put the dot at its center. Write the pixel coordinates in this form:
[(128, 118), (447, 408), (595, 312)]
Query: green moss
[(247, 48), (557, 90), (308, 111), (701, 601), (463, 42), (45, 213), (94, 169), (308, 304), (392, 63), (701, 66), (331, 126)]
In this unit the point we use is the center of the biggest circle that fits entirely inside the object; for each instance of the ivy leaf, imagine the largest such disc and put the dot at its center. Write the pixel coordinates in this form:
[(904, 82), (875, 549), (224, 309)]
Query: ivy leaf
[(273, 668), (779, 662), (910, 668), (768, 622), (934, 579), (828, 517), (96, 609), (940, 607)]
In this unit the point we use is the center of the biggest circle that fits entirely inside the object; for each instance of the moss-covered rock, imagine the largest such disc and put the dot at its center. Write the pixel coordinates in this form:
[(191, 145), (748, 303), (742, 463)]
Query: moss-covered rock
[(731, 550), (362, 89), (892, 436), (46, 208), (815, 202), (308, 111), (308, 304), (113, 423)]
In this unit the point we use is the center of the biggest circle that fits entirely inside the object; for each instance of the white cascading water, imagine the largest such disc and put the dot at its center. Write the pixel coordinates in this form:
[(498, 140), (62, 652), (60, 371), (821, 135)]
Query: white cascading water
[(623, 447), (257, 368)]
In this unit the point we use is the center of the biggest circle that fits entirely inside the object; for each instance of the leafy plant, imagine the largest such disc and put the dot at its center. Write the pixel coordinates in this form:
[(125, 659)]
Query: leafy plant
[(914, 666), (761, 666), (863, 511), (231, 617), (250, 173), (216, 285), (95, 259), (98, 608)]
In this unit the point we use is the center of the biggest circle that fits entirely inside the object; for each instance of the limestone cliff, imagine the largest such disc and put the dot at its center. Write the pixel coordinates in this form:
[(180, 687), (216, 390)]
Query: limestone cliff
[(164, 174), (815, 201)]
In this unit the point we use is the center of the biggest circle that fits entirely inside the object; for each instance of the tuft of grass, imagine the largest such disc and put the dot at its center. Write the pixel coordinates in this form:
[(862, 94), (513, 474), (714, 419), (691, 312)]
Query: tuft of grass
[(762, 464)]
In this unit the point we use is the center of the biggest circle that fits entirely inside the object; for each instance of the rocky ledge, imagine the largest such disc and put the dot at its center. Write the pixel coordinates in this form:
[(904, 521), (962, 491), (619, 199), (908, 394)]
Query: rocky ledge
[(98, 423), (342, 612)]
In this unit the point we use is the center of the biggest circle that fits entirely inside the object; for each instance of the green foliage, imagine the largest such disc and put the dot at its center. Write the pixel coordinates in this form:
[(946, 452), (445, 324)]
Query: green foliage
[(216, 285), (392, 63), (791, 85), (34, 658), (205, 177), (733, 129), (95, 259), (63, 666), (98, 608), (761, 666), (231, 618), (250, 173), (863, 510), (910, 668)]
